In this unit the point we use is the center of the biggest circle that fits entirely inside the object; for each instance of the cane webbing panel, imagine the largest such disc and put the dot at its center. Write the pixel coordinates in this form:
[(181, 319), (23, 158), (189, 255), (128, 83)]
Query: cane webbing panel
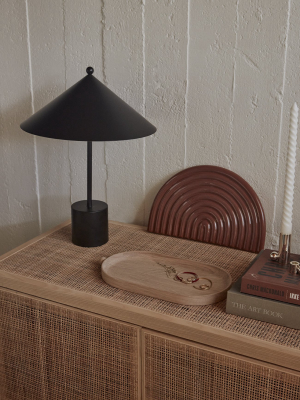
[(51, 352), (177, 371), (54, 259)]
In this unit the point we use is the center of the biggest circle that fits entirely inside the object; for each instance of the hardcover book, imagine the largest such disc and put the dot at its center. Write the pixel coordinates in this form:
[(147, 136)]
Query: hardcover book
[(266, 278), (262, 309)]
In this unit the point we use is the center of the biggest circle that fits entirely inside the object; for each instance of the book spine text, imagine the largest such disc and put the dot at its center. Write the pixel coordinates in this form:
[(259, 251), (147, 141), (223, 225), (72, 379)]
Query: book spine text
[(263, 309), (270, 291)]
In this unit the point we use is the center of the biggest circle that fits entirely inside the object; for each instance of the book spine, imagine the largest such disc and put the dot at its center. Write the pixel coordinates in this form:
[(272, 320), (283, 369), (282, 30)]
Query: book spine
[(263, 309), (270, 291)]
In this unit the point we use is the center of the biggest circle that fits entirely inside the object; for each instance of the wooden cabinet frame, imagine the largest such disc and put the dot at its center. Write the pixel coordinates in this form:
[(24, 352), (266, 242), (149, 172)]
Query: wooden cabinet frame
[(250, 353)]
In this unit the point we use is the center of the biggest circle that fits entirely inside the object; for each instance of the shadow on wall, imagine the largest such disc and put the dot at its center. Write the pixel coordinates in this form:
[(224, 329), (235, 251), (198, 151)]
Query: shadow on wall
[(19, 216), (12, 236), (50, 215), (18, 200)]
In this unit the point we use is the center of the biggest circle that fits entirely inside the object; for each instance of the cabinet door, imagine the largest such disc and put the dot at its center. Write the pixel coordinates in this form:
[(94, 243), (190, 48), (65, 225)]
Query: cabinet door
[(176, 369), (54, 352)]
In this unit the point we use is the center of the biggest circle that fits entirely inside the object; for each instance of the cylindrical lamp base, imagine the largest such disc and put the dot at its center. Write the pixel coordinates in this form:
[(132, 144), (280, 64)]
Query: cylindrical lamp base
[(89, 225)]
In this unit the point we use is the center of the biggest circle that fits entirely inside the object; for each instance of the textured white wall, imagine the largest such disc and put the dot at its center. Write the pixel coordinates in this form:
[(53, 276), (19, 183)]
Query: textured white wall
[(217, 78)]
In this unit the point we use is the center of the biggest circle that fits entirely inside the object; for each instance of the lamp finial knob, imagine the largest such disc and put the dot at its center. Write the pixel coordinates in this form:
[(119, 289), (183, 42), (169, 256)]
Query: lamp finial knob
[(90, 70)]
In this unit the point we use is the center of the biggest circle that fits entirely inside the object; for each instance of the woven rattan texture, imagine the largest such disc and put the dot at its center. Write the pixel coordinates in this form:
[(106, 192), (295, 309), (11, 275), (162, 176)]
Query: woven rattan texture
[(56, 260), (53, 353), (177, 371)]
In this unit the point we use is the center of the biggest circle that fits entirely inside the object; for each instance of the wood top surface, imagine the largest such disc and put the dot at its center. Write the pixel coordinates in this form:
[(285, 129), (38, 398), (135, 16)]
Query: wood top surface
[(51, 268)]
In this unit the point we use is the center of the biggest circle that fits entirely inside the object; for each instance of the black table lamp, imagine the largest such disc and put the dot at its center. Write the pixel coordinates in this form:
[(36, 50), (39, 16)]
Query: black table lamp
[(88, 111)]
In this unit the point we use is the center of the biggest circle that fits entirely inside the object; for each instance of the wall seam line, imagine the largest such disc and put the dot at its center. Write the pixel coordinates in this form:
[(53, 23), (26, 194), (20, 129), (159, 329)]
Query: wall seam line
[(6, 180), (65, 77), (64, 42), (37, 183), (105, 82), (275, 237), (144, 106), (231, 112), (187, 83)]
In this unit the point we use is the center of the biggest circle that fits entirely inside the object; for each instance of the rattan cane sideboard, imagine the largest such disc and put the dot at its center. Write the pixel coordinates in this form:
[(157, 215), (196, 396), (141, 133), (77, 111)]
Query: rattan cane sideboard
[(65, 334)]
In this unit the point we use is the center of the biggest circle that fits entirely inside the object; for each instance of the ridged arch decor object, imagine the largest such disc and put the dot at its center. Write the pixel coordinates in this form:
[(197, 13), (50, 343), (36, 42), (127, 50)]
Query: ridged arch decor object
[(210, 204)]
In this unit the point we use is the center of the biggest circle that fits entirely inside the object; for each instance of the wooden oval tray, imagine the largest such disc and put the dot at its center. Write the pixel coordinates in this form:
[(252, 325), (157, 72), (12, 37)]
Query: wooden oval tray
[(154, 275)]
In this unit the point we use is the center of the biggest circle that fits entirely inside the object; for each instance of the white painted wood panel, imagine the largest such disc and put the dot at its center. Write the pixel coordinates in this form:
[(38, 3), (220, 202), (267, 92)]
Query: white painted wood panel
[(166, 25), (212, 31), (46, 20), (83, 47), (290, 94), (259, 78), (123, 71), (217, 78), (18, 198)]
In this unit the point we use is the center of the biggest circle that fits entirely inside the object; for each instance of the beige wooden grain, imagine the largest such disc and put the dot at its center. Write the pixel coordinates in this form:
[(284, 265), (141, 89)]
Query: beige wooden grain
[(233, 342), (139, 272), (214, 351), (257, 349)]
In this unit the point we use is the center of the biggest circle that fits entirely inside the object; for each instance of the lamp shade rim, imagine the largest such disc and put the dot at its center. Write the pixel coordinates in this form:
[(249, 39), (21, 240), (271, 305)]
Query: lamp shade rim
[(88, 111), (86, 139)]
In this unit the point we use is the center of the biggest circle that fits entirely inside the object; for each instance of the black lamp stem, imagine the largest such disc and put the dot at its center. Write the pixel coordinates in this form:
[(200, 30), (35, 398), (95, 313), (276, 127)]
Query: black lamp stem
[(89, 174), (89, 217)]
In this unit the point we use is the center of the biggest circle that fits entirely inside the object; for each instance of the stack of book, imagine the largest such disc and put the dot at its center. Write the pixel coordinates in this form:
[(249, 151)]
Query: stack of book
[(267, 292)]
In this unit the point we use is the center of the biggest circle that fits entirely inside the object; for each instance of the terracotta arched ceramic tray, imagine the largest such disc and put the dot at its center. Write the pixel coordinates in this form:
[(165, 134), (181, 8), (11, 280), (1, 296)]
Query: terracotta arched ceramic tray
[(154, 275)]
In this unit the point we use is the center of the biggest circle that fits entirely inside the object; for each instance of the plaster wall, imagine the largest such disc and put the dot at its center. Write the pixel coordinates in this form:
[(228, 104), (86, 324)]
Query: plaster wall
[(217, 78)]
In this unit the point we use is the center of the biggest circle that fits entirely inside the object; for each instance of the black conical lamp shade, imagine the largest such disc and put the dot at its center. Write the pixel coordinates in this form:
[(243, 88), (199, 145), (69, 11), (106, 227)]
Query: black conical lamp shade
[(88, 111)]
